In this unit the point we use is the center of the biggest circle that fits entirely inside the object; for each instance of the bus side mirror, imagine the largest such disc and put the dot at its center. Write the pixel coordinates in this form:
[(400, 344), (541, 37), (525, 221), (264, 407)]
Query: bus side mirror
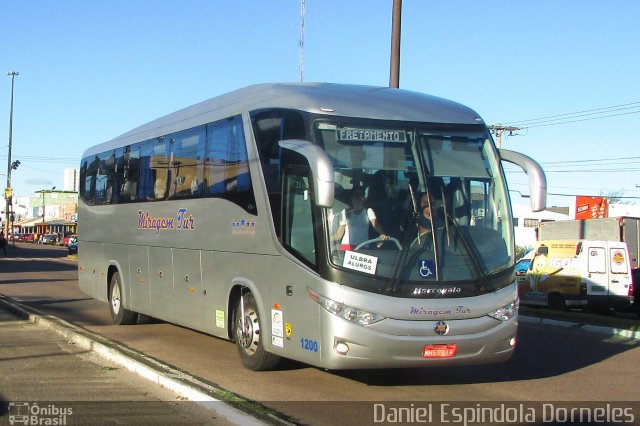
[(537, 179), (321, 168)]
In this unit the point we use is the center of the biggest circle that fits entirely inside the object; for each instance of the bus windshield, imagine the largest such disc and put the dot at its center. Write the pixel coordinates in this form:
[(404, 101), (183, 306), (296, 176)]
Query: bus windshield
[(416, 204)]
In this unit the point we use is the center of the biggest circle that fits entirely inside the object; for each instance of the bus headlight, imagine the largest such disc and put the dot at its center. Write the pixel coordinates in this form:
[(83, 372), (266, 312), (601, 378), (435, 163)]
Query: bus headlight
[(344, 311), (506, 312)]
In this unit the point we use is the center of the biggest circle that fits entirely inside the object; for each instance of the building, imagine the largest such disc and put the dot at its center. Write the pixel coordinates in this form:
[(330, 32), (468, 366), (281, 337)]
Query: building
[(525, 223), (624, 210), (71, 180), (50, 212)]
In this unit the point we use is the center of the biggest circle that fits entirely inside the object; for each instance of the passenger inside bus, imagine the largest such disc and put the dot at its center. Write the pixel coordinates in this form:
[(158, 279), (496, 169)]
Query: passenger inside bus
[(379, 199), (354, 222)]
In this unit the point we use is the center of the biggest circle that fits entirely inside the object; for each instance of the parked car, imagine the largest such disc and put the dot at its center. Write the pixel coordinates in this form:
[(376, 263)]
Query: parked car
[(67, 237), (27, 238), (73, 245), (522, 266), (48, 239)]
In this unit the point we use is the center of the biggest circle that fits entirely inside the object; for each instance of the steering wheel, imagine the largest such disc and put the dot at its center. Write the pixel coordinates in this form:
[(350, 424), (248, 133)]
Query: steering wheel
[(379, 240)]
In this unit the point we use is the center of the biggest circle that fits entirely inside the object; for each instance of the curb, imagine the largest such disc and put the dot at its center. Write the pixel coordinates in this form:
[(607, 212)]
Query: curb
[(235, 408), (600, 329)]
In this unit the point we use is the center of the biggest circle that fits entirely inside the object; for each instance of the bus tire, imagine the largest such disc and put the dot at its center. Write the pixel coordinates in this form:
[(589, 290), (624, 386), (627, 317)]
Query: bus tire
[(119, 315), (249, 340)]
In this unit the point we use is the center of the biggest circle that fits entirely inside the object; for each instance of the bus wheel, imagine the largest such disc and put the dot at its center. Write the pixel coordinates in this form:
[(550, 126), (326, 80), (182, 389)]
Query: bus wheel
[(119, 315), (556, 302), (248, 336)]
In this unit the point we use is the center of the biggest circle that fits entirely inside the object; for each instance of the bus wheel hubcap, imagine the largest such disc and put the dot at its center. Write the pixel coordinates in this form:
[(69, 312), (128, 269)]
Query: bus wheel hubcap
[(115, 299), (249, 335)]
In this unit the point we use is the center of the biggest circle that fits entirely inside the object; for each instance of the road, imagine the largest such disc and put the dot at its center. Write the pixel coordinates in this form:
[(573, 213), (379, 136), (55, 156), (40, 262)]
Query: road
[(550, 363)]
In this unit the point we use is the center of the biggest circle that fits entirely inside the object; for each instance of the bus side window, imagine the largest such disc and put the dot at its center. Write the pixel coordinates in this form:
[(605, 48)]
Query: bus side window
[(269, 128), (298, 232), (131, 175), (186, 162), (226, 165)]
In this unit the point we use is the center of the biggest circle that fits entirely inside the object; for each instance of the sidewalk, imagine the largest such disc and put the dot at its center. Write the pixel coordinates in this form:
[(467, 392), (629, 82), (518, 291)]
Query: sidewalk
[(48, 379)]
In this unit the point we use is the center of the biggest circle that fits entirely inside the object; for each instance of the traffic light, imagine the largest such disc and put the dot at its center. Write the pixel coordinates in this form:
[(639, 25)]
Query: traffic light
[(15, 165)]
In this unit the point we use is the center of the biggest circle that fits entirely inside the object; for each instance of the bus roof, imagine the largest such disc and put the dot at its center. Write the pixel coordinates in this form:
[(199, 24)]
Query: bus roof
[(322, 98)]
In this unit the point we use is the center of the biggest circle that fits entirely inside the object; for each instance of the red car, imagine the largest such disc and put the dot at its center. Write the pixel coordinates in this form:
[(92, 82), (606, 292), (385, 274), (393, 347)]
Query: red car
[(66, 238)]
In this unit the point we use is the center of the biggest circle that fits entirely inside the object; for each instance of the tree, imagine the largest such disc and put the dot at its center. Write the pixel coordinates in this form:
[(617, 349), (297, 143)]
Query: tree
[(617, 197)]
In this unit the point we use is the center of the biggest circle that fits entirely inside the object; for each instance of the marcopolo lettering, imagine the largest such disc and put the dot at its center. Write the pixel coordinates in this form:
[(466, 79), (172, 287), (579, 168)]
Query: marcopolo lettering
[(418, 291)]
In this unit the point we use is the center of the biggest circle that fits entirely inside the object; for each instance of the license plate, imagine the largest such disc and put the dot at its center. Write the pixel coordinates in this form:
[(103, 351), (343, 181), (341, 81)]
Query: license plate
[(439, 351)]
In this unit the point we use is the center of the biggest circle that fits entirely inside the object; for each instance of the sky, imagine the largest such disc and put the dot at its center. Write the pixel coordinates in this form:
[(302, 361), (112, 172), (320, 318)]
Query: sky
[(566, 72)]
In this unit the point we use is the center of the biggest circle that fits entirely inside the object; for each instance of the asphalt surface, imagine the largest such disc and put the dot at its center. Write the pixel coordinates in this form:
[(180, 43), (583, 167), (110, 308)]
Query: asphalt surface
[(52, 368), (53, 379)]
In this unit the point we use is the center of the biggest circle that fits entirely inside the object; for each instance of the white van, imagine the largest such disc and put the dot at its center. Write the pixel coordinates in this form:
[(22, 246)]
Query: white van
[(579, 273)]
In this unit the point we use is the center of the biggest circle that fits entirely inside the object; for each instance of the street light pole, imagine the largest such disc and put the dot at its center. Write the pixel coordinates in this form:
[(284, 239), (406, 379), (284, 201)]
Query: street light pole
[(9, 195), (396, 19), (43, 207)]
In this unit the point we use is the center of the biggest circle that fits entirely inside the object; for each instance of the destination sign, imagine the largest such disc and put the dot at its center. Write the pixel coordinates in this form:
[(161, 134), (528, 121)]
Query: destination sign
[(347, 134)]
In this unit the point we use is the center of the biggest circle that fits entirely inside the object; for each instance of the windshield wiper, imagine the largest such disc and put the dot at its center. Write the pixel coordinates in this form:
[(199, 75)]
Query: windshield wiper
[(469, 247), (414, 214), (412, 221)]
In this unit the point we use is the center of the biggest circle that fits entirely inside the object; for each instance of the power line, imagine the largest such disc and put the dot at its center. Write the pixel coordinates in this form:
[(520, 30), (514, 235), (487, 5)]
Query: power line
[(598, 159), (36, 159), (587, 195), (582, 113), (548, 170), (594, 170), (602, 165), (499, 129), (578, 190), (583, 119)]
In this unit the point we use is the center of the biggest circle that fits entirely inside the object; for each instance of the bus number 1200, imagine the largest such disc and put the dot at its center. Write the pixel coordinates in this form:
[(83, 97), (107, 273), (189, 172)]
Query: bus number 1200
[(309, 345)]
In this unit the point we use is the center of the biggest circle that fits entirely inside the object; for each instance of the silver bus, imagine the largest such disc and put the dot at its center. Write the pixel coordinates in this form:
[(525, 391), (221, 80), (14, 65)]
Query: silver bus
[(229, 217)]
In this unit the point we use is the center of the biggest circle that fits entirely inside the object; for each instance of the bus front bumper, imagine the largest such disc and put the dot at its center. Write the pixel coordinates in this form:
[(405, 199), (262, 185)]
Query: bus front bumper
[(482, 340)]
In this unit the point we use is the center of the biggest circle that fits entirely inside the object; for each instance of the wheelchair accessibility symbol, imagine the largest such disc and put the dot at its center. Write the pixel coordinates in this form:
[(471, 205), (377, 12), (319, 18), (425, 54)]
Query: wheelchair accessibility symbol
[(426, 268)]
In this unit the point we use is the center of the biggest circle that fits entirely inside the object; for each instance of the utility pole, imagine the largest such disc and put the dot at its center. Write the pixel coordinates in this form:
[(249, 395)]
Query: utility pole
[(301, 40), (394, 74), (498, 129), (9, 191)]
